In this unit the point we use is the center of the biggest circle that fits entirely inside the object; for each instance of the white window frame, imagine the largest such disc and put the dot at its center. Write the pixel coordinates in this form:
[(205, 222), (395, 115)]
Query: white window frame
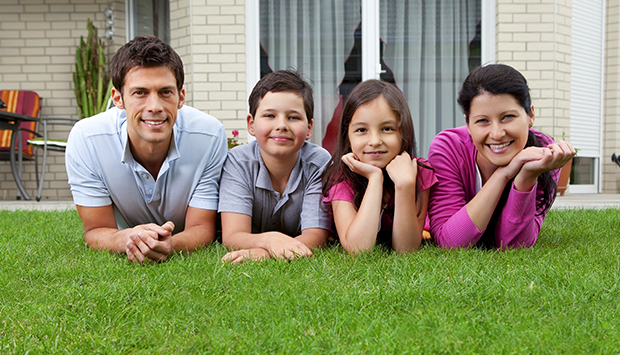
[(371, 66)]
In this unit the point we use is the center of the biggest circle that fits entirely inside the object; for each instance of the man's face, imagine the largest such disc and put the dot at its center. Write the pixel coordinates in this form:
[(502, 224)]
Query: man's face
[(151, 100)]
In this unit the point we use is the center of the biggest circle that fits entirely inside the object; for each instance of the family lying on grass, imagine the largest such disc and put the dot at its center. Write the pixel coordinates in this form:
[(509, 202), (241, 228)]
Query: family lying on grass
[(149, 175)]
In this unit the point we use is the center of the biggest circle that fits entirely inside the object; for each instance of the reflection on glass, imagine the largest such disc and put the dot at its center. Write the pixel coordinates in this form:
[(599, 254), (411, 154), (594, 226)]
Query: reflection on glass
[(431, 46), (151, 17), (583, 171), (427, 49)]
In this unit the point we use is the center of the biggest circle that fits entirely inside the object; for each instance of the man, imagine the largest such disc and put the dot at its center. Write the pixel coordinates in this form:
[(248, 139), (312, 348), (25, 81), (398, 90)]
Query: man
[(145, 174)]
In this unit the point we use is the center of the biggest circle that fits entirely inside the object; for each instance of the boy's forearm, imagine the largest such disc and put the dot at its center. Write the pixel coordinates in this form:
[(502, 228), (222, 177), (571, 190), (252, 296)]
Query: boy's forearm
[(313, 237)]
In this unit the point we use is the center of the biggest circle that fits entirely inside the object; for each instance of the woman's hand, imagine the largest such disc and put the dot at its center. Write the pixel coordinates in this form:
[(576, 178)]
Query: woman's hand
[(363, 169), (403, 170), (552, 157)]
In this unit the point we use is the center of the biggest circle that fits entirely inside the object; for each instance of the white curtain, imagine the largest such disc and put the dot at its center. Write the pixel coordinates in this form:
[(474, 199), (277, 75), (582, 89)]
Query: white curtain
[(314, 37), (427, 48)]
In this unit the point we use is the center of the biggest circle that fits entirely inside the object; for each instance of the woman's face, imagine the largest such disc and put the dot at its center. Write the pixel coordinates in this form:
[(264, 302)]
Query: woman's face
[(499, 127)]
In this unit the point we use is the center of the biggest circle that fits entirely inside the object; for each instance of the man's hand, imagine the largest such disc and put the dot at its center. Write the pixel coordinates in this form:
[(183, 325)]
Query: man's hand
[(240, 256), (150, 242)]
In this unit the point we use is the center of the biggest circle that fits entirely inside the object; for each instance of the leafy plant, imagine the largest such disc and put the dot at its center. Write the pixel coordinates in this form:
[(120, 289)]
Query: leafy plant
[(234, 141), (89, 77)]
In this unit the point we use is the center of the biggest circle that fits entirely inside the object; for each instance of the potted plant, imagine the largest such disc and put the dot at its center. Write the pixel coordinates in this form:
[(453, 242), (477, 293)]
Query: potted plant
[(89, 78)]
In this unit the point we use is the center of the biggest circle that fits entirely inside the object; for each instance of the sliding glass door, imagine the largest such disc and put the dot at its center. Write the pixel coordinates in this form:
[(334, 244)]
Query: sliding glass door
[(424, 47)]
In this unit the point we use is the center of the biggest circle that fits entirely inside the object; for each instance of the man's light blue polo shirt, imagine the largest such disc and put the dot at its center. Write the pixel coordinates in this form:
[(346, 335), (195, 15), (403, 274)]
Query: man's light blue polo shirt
[(247, 189), (102, 171)]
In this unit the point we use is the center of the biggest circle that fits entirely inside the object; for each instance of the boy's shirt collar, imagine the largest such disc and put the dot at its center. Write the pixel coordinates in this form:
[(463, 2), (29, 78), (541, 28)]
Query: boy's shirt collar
[(263, 180)]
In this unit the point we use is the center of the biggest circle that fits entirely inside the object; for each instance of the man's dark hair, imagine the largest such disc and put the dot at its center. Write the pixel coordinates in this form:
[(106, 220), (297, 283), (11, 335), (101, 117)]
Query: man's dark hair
[(148, 52), (282, 81)]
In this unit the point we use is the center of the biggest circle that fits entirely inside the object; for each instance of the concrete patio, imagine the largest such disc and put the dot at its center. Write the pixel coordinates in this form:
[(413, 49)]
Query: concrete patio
[(575, 201)]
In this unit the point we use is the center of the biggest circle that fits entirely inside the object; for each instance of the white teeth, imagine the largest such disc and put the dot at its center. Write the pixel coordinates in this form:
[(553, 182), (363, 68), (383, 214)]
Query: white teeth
[(153, 122), (499, 146)]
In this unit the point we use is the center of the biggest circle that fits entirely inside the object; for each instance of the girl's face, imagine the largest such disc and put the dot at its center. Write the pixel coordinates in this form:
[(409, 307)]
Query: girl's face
[(499, 127), (374, 134)]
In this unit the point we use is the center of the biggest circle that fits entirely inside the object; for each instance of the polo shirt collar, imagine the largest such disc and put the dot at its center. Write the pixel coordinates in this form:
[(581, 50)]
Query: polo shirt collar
[(263, 180), (173, 151)]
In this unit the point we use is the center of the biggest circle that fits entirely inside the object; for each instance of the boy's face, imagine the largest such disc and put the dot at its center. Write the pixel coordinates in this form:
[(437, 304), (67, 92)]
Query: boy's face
[(280, 125)]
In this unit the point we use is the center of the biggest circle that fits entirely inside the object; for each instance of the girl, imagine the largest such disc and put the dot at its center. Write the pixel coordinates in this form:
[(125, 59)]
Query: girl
[(497, 176), (373, 181)]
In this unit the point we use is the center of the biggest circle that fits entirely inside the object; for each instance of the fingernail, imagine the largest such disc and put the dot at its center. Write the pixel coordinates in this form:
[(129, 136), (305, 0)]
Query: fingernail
[(129, 253), (133, 237)]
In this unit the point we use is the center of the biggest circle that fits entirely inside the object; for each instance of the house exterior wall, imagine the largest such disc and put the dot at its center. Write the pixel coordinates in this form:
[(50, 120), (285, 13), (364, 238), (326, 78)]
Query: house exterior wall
[(210, 37), (535, 38), (611, 107), (38, 41)]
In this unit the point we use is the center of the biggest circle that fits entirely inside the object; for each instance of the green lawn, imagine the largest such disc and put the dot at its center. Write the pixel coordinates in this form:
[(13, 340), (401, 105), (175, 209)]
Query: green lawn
[(560, 297)]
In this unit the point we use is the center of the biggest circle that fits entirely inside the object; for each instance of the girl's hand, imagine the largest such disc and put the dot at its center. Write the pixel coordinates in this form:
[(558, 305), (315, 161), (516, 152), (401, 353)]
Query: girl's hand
[(403, 170), (363, 169)]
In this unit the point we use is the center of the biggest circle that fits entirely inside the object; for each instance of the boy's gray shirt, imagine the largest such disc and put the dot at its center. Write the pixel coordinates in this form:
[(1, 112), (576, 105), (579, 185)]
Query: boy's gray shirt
[(246, 188)]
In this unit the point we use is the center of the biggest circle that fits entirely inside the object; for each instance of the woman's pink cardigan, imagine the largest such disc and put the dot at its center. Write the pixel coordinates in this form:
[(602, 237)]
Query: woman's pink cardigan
[(453, 156)]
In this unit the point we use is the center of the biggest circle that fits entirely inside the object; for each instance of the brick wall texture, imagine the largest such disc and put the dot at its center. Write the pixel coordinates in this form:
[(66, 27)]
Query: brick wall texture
[(38, 39), (611, 108)]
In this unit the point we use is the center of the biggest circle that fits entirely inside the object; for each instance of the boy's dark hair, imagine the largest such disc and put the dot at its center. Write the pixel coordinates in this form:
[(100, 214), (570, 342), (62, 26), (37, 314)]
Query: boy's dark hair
[(282, 81), (497, 79), (145, 51)]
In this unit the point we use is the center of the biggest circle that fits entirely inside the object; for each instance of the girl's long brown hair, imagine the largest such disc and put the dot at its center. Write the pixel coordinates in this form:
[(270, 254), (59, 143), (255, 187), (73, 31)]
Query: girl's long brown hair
[(336, 171)]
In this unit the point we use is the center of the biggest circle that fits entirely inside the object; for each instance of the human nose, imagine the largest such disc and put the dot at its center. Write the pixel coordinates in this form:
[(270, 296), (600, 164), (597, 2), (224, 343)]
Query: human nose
[(497, 131), (374, 139), (281, 123), (153, 103)]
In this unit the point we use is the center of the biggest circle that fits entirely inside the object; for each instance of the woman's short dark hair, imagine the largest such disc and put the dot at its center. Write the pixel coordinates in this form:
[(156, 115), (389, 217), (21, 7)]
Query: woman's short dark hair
[(495, 79), (148, 52)]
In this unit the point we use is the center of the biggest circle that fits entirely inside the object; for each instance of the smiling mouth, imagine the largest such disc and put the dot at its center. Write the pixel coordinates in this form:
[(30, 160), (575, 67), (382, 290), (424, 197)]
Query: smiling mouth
[(499, 146), (375, 153), (281, 139), (154, 123)]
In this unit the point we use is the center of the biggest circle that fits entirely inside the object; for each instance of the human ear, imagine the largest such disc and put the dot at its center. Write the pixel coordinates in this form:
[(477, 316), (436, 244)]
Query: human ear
[(250, 121), (181, 98), (117, 99), (531, 115), (309, 132)]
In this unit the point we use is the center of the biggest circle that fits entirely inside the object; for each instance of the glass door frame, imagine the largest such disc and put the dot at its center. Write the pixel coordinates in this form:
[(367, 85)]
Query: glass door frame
[(371, 67)]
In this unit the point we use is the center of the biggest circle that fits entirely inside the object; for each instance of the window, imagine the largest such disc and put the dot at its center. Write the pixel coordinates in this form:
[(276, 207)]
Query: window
[(425, 47), (148, 17)]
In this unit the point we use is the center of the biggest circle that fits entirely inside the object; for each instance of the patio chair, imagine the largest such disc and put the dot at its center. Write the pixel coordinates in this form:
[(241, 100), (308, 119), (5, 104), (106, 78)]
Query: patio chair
[(25, 103), (48, 144)]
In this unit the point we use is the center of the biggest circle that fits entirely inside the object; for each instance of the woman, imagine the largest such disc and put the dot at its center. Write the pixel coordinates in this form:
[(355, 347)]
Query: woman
[(496, 175)]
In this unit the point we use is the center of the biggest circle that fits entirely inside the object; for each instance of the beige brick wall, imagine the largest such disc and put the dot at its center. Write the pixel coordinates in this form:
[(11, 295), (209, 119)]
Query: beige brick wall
[(611, 113), (534, 36), (38, 41), (210, 37)]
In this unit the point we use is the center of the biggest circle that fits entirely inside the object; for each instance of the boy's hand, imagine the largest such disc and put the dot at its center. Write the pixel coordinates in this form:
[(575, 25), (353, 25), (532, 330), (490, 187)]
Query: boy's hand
[(150, 242), (403, 170), (240, 256), (282, 246), (363, 169)]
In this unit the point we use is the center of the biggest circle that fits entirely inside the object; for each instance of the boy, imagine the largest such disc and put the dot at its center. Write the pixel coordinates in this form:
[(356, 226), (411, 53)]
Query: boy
[(271, 187)]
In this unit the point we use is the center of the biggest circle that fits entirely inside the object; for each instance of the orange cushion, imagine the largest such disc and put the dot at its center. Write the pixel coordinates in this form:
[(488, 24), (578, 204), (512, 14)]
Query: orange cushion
[(25, 103)]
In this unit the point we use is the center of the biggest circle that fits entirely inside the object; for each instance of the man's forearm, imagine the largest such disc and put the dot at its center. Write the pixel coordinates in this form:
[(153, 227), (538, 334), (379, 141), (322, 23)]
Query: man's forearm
[(192, 238), (110, 239)]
